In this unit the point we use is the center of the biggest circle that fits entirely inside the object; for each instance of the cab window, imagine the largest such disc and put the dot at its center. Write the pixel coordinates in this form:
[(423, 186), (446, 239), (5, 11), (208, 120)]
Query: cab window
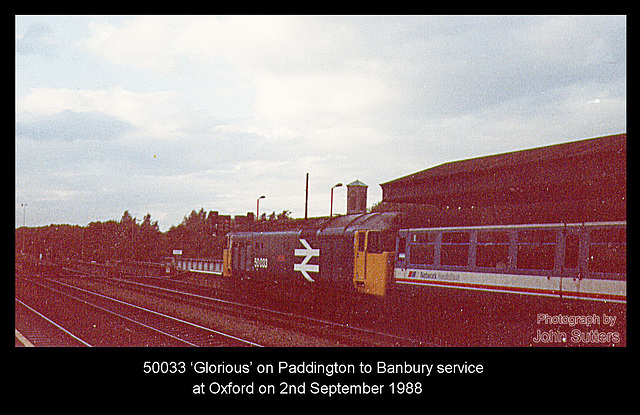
[(361, 239), (374, 244)]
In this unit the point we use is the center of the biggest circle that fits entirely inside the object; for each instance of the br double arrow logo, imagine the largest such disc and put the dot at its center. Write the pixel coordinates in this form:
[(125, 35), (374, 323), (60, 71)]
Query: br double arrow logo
[(307, 253)]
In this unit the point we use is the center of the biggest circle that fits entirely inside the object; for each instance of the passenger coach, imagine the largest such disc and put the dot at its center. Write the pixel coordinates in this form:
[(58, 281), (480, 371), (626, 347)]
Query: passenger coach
[(571, 261)]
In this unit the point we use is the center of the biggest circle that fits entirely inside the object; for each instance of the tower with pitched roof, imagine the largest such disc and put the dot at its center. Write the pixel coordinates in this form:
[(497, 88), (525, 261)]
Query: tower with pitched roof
[(356, 197)]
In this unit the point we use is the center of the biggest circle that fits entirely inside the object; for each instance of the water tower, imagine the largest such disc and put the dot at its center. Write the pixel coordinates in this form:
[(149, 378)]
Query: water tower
[(356, 197)]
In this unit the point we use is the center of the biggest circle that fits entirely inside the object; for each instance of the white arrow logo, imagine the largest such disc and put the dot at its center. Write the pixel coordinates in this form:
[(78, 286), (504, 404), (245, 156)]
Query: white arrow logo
[(307, 253)]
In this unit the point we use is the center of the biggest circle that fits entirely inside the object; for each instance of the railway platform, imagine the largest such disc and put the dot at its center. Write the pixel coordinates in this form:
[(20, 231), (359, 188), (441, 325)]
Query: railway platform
[(22, 341)]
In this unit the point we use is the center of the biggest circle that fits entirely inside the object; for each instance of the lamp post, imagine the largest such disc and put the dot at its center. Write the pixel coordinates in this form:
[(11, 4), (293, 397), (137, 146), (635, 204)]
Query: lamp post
[(258, 207), (24, 220), (331, 211)]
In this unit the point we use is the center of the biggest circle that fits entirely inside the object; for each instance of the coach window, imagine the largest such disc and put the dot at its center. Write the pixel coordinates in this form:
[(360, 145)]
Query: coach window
[(492, 250), (571, 250), (608, 250), (422, 248), (455, 248), (536, 249), (402, 248)]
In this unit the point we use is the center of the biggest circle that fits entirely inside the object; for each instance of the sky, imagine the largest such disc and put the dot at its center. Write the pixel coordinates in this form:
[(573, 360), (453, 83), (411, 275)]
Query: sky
[(169, 114)]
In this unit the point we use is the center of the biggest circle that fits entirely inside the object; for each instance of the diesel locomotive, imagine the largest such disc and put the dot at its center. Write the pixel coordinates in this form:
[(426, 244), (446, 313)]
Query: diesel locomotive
[(373, 254), (344, 253)]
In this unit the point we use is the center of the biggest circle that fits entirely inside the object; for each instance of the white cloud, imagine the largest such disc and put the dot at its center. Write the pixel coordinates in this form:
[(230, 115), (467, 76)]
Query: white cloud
[(296, 99), (249, 42), (160, 42), (139, 109), (147, 42)]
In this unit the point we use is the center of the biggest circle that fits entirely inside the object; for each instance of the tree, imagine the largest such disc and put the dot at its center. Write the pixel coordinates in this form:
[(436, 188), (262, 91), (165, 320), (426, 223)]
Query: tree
[(286, 214), (149, 240), (126, 236), (196, 236), (102, 243)]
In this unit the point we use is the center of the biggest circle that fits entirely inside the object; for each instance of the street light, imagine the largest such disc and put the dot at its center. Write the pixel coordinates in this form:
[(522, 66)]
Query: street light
[(24, 220), (331, 211), (24, 213), (258, 207)]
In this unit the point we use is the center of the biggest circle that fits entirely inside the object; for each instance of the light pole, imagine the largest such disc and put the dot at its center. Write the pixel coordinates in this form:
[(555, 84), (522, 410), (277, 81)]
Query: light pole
[(331, 211), (24, 220), (258, 207)]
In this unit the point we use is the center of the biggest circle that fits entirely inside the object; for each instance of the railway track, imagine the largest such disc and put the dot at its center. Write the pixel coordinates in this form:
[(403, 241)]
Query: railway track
[(343, 333), (94, 319), (140, 313), (33, 329)]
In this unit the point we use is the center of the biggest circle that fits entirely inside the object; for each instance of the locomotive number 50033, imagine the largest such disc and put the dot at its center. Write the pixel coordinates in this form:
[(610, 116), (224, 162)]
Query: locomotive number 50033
[(260, 262)]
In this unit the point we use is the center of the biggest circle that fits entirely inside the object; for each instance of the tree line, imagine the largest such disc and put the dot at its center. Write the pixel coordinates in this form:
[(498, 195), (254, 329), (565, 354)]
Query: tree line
[(199, 235), (128, 239)]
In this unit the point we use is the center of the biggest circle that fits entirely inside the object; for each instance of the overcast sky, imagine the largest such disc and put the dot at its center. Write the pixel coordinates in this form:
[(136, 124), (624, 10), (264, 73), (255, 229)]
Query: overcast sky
[(164, 115)]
